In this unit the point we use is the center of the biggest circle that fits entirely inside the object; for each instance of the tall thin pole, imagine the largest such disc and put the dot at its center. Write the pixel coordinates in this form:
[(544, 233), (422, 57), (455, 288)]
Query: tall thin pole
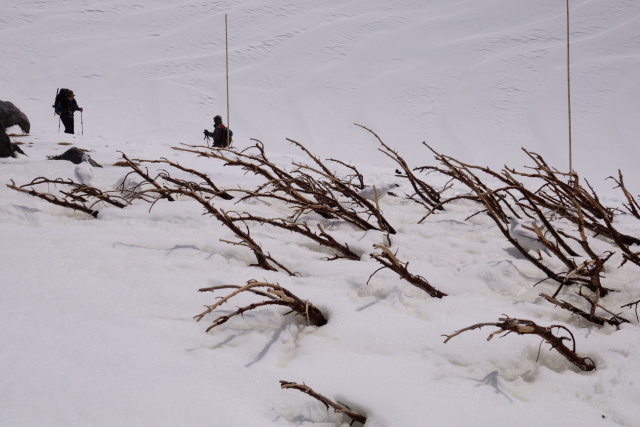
[(569, 94), (226, 49)]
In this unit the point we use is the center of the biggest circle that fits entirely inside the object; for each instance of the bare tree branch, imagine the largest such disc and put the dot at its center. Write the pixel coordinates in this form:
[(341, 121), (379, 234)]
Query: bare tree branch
[(328, 403), (323, 238), (591, 317), (527, 327), (631, 304), (54, 200), (133, 165), (425, 194), (274, 294), (81, 197), (632, 205), (388, 260)]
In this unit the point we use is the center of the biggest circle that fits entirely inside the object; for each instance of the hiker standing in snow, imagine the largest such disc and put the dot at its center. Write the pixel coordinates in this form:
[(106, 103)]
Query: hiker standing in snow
[(222, 136), (65, 106)]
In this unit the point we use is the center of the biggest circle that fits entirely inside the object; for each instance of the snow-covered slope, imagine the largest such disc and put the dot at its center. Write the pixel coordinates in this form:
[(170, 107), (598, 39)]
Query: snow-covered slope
[(474, 78), (96, 315)]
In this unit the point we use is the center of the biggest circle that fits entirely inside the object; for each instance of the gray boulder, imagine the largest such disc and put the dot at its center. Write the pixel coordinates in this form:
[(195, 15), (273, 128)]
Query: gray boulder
[(10, 115)]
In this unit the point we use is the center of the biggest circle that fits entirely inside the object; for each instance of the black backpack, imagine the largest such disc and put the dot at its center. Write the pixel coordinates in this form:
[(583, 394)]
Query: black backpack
[(230, 134), (61, 94), (222, 136)]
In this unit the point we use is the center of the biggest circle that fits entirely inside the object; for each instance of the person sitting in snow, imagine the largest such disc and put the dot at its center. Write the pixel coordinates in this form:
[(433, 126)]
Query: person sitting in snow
[(222, 136), (65, 107)]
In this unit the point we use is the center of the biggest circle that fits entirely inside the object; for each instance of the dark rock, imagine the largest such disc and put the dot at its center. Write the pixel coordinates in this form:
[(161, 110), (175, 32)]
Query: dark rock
[(8, 148), (10, 115), (74, 155)]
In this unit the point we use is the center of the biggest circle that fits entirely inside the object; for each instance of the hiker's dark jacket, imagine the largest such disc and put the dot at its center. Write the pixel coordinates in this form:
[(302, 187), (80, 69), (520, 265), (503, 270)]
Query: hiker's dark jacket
[(66, 107), (219, 135)]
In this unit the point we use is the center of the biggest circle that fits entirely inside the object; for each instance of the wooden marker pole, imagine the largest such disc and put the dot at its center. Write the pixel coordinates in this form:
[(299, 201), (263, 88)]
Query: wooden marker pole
[(226, 48), (569, 94)]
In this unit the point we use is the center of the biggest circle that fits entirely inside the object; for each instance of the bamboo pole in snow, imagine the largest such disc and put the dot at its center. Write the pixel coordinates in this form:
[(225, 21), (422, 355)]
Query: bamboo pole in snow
[(226, 49), (569, 94)]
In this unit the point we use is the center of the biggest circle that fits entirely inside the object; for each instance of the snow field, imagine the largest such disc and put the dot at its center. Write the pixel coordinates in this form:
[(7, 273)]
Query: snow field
[(116, 296), (97, 314)]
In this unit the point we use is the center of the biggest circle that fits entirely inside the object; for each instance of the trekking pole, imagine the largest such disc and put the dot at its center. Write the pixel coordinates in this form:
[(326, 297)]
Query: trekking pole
[(54, 108), (569, 94), (81, 123)]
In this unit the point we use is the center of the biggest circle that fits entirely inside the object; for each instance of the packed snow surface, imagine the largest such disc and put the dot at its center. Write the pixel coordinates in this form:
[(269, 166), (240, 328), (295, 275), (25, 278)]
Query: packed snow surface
[(97, 314)]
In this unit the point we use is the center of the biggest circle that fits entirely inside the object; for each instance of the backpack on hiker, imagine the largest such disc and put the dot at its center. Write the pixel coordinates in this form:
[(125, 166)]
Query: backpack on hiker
[(61, 95), (225, 133), (219, 136)]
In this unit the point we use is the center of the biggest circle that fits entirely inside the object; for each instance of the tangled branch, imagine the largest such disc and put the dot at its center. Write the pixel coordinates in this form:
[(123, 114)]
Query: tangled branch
[(203, 193), (274, 294), (614, 320), (424, 194), (527, 327), (388, 260), (306, 188), (555, 197), (328, 403), (81, 198), (632, 205), (633, 304), (321, 237)]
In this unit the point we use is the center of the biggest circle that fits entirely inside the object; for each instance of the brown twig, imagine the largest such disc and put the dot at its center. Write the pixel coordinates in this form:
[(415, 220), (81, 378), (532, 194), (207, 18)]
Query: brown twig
[(211, 189), (632, 205), (306, 188), (145, 175), (527, 327), (274, 294), (515, 199), (631, 304), (388, 260), (328, 403), (176, 186), (54, 200), (322, 237), (344, 188), (356, 173), (80, 198), (424, 194), (591, 316)]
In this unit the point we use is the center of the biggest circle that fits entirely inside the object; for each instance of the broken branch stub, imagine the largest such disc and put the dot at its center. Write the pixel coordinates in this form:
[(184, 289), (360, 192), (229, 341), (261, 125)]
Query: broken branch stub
[(527, 327), (328, 403), (389, 260), (273, 294), (80, 197)]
